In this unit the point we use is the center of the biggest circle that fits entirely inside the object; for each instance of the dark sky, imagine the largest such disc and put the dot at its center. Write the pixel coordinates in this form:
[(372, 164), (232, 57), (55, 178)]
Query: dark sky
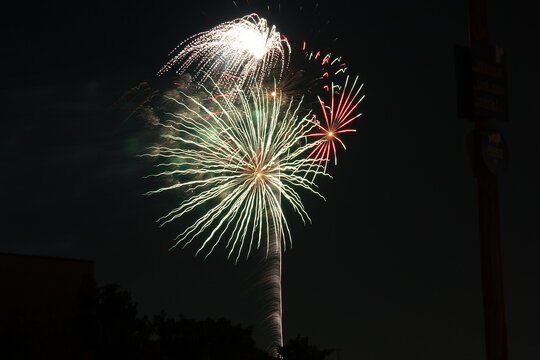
[(390, 266)]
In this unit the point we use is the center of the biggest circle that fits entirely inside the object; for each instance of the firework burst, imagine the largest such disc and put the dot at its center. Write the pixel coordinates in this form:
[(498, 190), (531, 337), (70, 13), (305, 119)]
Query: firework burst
[(239, 157), (337, 116), (241, 53)]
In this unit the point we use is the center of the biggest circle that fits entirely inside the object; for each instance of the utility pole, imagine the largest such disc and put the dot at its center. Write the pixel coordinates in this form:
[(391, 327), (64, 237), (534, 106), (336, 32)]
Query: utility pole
[(496, 333)]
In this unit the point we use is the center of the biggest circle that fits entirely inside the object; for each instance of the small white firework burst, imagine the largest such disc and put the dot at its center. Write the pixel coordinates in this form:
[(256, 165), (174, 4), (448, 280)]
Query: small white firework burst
[(242, 52)]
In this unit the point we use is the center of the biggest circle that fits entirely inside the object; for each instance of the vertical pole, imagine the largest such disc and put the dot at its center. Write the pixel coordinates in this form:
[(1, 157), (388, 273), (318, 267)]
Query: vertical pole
[(496, 333)]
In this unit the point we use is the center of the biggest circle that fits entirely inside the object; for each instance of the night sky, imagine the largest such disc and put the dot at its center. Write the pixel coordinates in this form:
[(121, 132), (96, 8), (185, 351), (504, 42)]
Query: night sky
[(390, 266)]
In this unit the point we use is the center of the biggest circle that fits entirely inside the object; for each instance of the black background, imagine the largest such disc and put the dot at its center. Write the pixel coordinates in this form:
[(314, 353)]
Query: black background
[(390, 266)]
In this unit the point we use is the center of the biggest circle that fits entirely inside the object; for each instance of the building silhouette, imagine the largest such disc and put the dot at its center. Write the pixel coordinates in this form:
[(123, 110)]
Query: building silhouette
[(40, 305)]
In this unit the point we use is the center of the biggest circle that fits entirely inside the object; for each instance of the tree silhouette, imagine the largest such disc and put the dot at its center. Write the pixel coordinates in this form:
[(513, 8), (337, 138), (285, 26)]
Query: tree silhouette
[(108, 327), (105, 325), (204, 340), (300, 349)]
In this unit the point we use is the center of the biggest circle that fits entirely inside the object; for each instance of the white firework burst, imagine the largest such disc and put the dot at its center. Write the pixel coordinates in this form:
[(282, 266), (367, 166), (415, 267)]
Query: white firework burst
[(238, 158), (242, 52)]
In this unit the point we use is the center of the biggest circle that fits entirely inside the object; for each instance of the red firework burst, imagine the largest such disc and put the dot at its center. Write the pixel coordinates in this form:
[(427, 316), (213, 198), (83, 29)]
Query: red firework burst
[(337, 117)]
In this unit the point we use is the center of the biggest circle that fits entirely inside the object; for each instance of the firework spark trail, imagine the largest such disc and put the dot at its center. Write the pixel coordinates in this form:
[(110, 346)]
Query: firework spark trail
[(337, 117), (240, 52), (274, 289), (272, 279), (312, 73), (235, 156), (329, 66)]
